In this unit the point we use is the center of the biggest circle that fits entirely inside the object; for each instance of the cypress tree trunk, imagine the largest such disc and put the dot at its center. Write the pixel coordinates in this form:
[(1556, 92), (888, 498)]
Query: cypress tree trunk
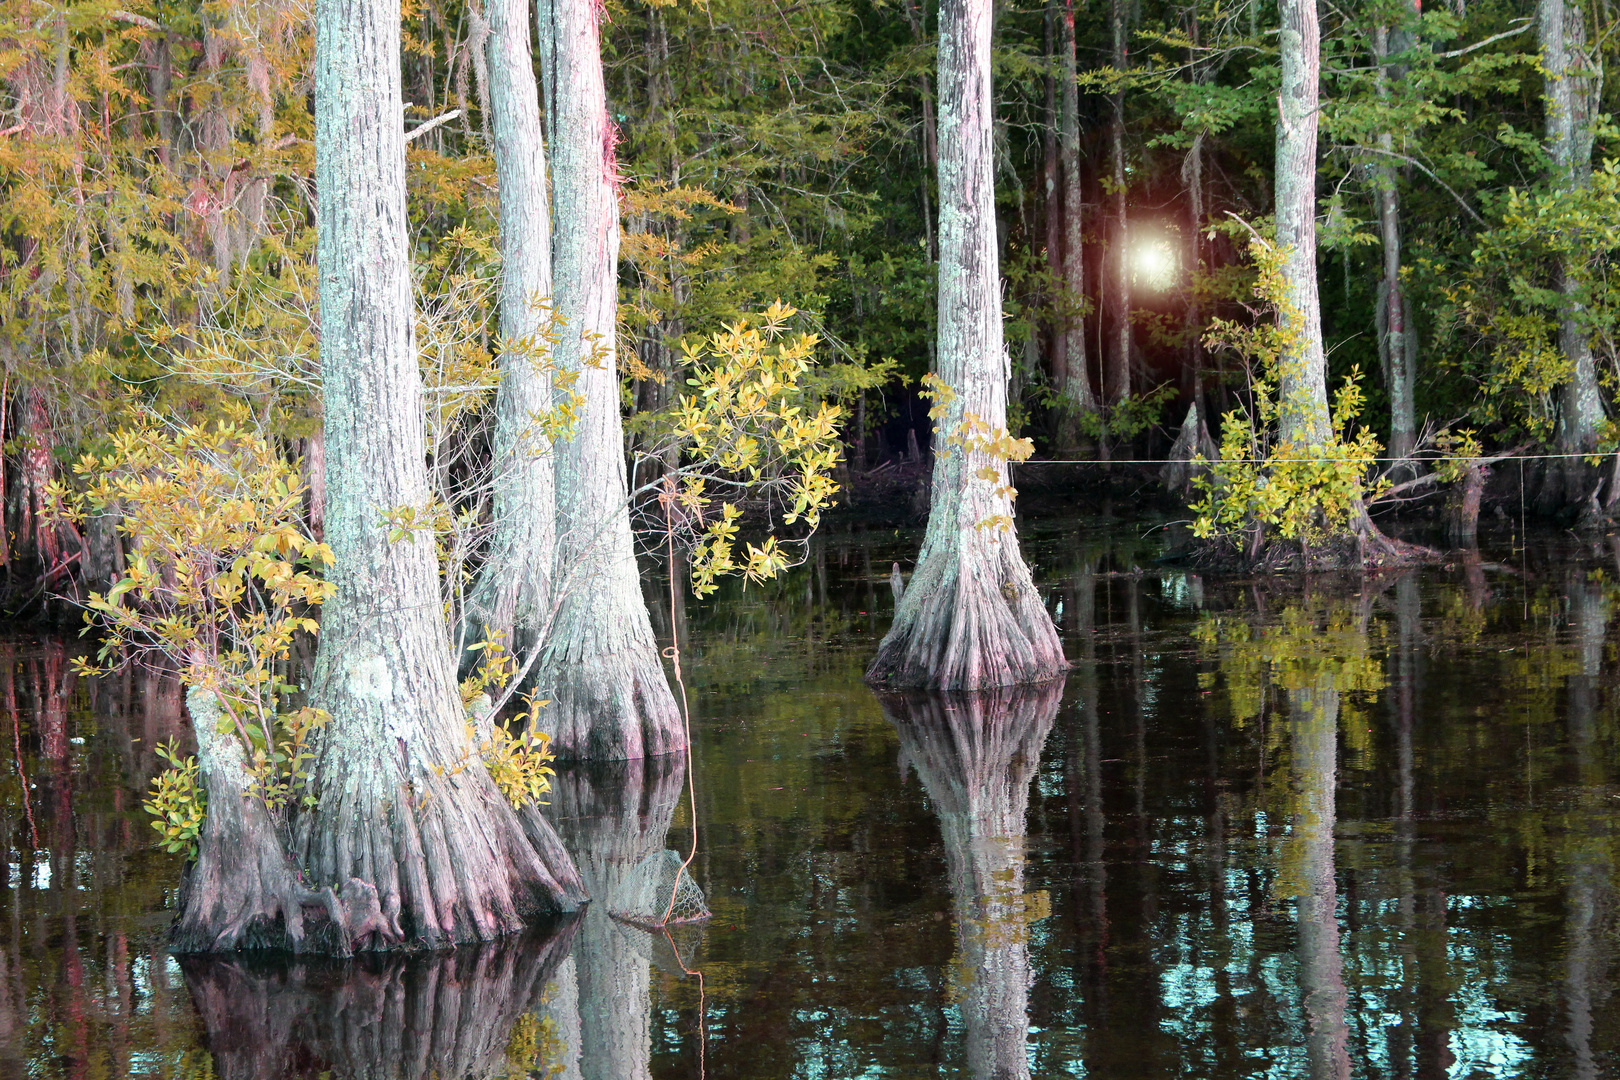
[(405, 803), (970, 617), (1396, 339), (1302, 389), (512, 593), (1570, 98), (601, 667), (1119, 375), (1076, 388)]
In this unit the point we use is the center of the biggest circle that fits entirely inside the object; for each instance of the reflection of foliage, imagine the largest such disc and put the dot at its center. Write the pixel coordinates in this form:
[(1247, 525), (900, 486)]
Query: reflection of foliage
[(1305, 646)]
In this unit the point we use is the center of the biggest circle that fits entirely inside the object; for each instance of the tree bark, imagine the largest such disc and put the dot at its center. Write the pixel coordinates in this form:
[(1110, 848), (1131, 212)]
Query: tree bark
[(601, 666), (970, 618), (1119, 366), (1396, 340), (1570, 102), (512, 595), (1076, 386), (976, 755), (405, 803), (1302, 382)]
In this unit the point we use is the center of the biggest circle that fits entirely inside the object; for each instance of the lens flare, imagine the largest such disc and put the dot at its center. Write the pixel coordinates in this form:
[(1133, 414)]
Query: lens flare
[(1153, 263)]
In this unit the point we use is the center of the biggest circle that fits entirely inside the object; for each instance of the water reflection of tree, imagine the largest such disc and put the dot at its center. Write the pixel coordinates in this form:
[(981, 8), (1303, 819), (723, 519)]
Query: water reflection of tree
[(976, 755), (466, 1014), (1313, 652), (611, 816)]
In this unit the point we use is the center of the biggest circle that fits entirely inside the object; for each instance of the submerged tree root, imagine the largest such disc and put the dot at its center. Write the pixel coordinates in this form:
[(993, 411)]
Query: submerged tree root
[(1366, 549)]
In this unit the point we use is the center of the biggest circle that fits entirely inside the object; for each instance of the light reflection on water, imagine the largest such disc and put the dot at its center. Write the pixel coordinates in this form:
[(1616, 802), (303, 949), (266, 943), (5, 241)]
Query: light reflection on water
[(1272, 827)]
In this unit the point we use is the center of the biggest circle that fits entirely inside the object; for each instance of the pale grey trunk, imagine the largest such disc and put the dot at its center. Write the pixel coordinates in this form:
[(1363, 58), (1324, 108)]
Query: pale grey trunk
[(1570, 68), (1302, 382), (405, 803), (1396, 340), (1119, 375), (1076, 386), (512, 595), (601, 666), (1315, 716), (976, 755), (971, 617)]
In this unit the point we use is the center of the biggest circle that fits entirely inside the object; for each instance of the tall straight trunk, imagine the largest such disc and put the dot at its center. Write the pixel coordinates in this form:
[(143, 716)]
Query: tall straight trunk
[(1315, 730), (512, 595), (1076, 387), (601, 666), (1051, 179), (1570, 97), (1119, 367), (406, 804), (1395, 345), (1302, 382), (970, 617), (976, 755)]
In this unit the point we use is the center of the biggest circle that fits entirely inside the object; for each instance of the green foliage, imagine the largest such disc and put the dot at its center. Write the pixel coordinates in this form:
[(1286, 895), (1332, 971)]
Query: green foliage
[(1550, 258), (221, 577), (178, 802), (1128, 417), (746, 427), (1261, 484)]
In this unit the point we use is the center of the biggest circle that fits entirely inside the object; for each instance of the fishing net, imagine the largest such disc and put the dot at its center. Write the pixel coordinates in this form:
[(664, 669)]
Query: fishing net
[(643, 898)]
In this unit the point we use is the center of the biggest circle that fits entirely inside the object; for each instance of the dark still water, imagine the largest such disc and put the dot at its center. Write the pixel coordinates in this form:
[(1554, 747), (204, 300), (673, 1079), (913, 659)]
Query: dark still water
[(1272, 827)]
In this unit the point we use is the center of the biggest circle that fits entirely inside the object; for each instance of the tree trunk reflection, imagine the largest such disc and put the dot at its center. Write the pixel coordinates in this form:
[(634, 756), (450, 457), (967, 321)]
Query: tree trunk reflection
[(976, 755), (611, 816), (393, 1016)]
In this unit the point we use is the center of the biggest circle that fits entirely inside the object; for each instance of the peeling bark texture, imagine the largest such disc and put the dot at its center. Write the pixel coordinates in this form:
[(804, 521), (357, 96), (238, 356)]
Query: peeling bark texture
[(512, 594), (405, 803), (243, 892), (1302, 385), (970, 617), (612, 816), (399, 1017), (601, 666), (1315, 730), (976, 755), (1076, 386), (1573, 81)]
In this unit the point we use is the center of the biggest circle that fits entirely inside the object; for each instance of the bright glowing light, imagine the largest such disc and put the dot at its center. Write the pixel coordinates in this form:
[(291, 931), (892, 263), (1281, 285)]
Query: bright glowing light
[(1153, 263)]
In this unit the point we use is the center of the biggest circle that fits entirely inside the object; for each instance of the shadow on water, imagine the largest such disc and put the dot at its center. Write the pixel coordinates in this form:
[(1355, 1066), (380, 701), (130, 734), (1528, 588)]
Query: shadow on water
[(1360, 827)]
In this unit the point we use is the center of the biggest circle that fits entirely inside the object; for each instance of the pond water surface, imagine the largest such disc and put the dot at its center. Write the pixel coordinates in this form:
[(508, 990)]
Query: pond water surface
[(1272, 827)]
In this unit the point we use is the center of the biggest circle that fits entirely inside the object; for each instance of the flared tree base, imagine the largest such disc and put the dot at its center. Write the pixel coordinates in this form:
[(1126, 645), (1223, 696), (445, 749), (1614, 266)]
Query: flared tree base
[(969, 620)]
